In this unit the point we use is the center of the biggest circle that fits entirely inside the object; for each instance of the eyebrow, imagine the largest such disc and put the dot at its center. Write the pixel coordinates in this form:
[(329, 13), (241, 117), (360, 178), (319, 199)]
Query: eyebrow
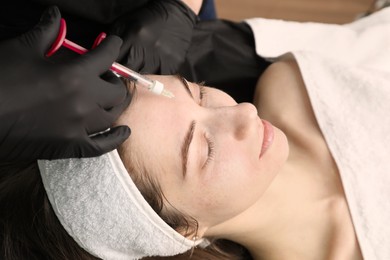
[(185, 85), (186, 146)]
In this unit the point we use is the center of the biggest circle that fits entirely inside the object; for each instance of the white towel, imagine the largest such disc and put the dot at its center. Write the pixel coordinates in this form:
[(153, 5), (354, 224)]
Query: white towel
[(346, 70)]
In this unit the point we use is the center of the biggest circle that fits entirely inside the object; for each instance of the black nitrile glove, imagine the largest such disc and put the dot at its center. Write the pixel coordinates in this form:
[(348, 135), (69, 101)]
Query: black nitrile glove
[(156, 37), (48, 110)]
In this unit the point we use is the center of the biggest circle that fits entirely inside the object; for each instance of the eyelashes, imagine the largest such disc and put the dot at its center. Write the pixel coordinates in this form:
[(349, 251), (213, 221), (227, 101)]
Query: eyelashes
[(211, 151)]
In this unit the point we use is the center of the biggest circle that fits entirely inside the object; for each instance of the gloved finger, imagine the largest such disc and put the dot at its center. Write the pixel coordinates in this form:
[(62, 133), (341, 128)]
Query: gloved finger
[(110, 92), (112, 78), (110, 140), (119, 108), (101, 119), (43, 35), (100, 59)]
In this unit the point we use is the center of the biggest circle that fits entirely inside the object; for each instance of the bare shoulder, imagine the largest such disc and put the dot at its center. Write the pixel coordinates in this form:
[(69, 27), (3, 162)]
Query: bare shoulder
[(287, 65), (280, 89), (285, 71)]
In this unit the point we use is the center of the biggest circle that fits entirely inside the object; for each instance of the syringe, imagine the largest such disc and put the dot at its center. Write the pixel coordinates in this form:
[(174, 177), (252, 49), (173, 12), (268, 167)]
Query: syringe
[(152, 85)]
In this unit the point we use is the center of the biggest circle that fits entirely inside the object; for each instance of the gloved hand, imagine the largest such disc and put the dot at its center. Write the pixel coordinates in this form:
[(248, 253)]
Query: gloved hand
[(49, 110), (156, 37)]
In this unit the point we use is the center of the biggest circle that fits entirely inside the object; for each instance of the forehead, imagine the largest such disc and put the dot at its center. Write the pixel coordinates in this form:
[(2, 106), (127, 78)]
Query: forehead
[(158, 124), (148, 109)]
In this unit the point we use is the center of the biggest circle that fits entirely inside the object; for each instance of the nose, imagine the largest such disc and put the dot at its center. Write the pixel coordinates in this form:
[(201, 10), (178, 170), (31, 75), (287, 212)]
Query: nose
[(239, 120)]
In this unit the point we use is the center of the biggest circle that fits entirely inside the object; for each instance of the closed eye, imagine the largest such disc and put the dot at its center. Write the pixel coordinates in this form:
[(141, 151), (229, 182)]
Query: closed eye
[(210, 152)]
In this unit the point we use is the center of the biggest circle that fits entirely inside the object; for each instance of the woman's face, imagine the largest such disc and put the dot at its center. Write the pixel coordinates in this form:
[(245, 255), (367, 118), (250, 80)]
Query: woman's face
[(212, 157)]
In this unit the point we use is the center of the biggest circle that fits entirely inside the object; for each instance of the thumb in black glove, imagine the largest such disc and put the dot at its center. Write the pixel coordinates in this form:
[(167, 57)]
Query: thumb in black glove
[(49, 110), (156, 37)]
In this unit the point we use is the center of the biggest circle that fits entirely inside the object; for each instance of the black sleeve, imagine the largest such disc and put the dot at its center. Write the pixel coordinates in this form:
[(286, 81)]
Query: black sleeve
[(223, 55)]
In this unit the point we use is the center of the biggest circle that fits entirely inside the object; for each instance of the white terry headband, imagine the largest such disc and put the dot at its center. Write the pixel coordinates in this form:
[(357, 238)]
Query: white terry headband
[(99, 205)]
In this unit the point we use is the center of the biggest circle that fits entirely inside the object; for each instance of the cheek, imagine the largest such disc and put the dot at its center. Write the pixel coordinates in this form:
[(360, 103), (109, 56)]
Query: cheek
[(230, 188), (236, 182)]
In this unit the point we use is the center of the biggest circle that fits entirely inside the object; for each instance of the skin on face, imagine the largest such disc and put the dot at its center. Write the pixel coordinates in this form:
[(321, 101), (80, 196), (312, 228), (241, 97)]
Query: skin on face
[(224, 173)]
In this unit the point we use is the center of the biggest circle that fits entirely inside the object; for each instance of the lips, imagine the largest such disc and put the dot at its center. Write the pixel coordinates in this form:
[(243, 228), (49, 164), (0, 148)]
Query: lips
[(268, 137)]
